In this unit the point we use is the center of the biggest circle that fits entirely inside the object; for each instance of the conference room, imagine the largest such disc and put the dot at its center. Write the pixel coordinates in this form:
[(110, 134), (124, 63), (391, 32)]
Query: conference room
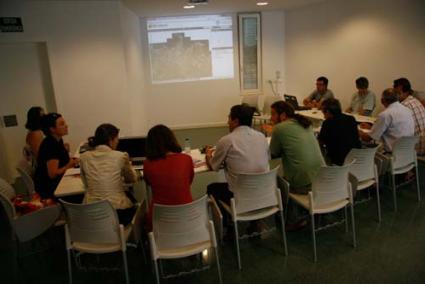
[(122, 62)]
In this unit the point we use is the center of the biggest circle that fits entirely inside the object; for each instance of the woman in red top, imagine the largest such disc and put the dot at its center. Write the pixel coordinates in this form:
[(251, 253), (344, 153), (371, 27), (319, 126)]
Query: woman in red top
[(168, 171)]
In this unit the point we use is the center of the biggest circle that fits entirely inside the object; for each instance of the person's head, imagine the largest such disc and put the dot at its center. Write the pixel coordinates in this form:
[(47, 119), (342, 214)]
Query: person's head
[(389, 96), (282, 111), (53, 124), (362, 84), (322, 84), (105, 134), (34, 115), (402, 85), (331, 107), (160, 141), (240, 115)]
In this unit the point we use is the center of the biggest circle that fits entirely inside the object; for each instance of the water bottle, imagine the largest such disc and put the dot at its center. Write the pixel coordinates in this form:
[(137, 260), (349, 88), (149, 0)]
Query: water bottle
[(187, 146)]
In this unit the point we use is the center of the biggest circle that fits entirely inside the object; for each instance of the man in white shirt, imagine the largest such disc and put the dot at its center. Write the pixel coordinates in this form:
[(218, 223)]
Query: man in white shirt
[(243, 150), (393, 123)]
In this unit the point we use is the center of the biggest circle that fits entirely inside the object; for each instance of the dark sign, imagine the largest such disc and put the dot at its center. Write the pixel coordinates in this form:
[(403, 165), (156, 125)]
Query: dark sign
[(11, 25), (10, 120)]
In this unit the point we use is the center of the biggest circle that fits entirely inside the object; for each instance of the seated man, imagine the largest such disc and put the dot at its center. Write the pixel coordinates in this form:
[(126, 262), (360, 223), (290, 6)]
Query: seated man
[(403, 85), (363, 101), (339, 132), (418, 111), (294, 142), (243, 150), (315, 99), (393, 123)]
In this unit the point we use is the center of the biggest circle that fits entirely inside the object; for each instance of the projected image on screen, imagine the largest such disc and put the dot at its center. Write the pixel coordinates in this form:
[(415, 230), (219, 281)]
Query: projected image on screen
[(190, 48)]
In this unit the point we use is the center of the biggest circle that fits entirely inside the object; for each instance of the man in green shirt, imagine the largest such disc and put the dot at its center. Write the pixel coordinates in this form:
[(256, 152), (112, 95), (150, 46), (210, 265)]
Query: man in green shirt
[(293, 140)]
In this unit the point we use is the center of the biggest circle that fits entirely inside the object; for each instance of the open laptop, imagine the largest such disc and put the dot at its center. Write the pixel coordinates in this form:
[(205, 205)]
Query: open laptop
[(292, 100), (136, 149)]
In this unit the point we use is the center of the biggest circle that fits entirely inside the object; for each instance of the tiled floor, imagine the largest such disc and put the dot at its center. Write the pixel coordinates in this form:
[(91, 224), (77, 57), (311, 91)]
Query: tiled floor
[(390, 252)]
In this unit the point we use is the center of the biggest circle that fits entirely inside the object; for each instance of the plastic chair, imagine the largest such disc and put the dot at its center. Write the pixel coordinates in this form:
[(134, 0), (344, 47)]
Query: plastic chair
[(365, 171), (94, 228), (180, 231), (28, 181), (256, 196), (268, 101), (403, 159), (330, 192)]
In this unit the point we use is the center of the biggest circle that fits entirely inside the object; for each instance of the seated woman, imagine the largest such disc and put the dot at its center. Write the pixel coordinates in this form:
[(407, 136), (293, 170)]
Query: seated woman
[(34, 136), (168, 171), (53, 159), (104, 170)]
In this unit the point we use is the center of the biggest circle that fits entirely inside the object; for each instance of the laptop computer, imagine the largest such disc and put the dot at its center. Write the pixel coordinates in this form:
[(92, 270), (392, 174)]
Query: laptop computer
[(292, 100), (136, 149)]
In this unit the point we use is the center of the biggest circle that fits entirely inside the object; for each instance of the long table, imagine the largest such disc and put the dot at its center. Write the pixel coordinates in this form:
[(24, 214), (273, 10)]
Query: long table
[(72, 184)]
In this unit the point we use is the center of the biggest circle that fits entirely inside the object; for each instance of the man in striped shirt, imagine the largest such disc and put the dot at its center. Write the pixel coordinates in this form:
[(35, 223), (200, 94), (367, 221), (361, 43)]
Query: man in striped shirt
[(418, 111)]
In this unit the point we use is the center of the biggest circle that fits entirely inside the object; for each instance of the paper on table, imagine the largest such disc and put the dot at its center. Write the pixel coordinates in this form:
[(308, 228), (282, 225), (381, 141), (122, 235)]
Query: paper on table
[(72, 172)]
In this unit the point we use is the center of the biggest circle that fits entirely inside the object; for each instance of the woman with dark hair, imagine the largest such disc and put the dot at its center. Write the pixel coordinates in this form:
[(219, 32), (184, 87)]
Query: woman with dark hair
[(168, 171), (35, 134), (104, 170), (53, 159)]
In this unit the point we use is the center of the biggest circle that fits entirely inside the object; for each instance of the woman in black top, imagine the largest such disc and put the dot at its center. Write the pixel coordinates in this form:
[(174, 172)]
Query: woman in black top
[(53, 158)]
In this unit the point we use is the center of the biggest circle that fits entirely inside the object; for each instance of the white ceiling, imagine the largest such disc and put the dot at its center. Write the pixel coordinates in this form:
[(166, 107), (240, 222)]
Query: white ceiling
[(150, 8)]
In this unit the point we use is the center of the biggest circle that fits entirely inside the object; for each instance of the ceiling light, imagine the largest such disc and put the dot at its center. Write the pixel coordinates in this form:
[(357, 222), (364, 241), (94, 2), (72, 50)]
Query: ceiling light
[(188, 6), (262, 3)]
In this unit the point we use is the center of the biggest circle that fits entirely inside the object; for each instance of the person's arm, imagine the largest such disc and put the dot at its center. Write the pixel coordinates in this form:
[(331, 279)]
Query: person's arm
[(369, 104), (378, 128), (53, 169), (127, 171), (214, 162), (308, 101), (275, 147), (34, 141)]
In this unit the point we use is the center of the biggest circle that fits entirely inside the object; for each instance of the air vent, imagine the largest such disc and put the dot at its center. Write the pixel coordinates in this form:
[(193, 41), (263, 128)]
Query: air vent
[(198, 2)]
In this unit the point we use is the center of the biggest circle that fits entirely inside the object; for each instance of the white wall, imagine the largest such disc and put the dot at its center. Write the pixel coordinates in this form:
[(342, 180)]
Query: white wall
[(94, 64), (207, 103), (380, 39)]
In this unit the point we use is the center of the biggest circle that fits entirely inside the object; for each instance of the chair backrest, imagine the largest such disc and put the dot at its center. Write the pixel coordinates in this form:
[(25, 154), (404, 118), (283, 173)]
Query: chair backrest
[(404, 152), (28, 181), (176, 226), (331, 184), (268, 101), (364, 166), (6, 195), (255, 191), (95, 222)]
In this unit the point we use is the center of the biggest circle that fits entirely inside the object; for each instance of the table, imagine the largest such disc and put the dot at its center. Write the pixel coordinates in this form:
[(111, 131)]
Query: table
[(318, 115), (71, 183)]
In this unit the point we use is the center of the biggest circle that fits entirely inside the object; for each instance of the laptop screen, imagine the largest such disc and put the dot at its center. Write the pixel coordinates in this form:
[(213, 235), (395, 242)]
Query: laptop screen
[(134, 146), (292, 100)]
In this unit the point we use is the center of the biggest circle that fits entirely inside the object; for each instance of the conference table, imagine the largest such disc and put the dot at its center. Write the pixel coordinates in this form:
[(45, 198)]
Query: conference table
[(72, 184)]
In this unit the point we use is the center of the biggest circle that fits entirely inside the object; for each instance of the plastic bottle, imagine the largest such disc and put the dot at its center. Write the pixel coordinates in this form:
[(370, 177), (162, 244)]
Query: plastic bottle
[(187, 146)]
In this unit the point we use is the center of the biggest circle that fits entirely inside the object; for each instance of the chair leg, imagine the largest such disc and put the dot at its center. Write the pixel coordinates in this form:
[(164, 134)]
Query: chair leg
[(346, 219), (237, 245), (68, 252), (394, 191), (313, 234), (282, 220), (353, 224), (217, 259), (155, 262), (417, 183), (378, 201), (124, 257)]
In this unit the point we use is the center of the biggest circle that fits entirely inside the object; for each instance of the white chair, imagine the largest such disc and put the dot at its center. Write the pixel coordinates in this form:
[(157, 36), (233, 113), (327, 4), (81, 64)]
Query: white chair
[(268, 101), (330, 191), (94, 228), (28, 181), (251, 100), (256, 196), (29, 226), (181, 231), (365, 171), (403, 159)]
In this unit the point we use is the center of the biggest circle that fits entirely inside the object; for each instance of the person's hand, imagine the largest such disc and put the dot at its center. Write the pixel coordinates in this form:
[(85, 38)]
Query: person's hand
[(365, 125), (73, 162), (267, 128), (209, 150)]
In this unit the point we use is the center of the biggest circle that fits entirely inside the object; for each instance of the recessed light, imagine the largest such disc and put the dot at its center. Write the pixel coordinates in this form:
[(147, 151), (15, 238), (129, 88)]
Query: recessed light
[(188, 6), (262, 3)]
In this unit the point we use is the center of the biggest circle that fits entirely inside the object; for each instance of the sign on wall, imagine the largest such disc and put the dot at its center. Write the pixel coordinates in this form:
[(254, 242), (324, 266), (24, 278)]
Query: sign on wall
[(11, 25)]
